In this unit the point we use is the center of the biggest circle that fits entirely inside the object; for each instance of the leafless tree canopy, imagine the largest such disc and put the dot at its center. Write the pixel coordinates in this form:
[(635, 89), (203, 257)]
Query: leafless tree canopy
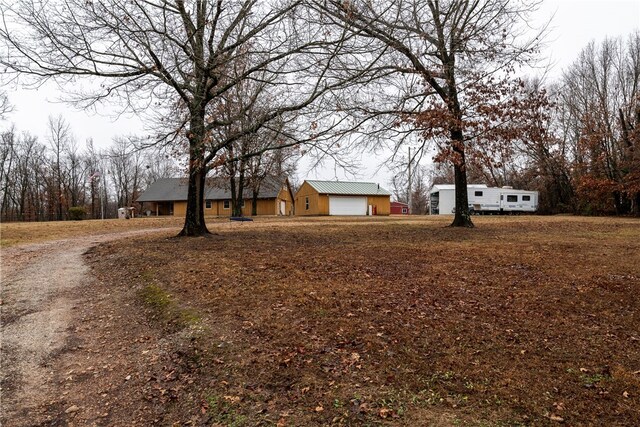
[(175, 56), (449, 54), (5, 106)]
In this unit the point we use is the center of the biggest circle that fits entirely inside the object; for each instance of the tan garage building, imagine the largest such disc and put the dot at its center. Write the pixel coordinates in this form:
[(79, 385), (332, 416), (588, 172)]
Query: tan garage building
[(342, 198)]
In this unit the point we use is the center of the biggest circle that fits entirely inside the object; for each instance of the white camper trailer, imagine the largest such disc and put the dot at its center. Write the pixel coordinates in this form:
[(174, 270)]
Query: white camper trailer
[(483, 199)]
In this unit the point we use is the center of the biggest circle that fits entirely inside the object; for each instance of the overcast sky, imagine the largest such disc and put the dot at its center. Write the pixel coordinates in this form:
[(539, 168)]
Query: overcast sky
[(575, 23)]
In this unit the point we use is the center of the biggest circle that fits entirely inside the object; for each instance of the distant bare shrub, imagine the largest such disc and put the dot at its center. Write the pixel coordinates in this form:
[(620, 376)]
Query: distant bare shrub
[(77, 213)]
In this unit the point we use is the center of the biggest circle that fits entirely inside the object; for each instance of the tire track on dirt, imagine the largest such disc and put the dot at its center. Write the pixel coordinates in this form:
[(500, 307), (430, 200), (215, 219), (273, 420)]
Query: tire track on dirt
[(37, 308)]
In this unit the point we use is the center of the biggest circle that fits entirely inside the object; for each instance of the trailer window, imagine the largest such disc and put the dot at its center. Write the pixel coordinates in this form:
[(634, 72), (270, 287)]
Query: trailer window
[(478, 194), (511, 198), (526, 198)]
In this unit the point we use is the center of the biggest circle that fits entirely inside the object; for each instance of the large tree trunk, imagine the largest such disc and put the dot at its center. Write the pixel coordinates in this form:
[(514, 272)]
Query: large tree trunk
[(462, 217), (237, 206), (194, 224), (254, 202)]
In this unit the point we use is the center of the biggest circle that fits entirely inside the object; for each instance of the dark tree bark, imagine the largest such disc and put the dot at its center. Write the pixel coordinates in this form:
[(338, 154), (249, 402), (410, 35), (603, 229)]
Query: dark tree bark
[(194, 222), (254, 201), (462, 217)]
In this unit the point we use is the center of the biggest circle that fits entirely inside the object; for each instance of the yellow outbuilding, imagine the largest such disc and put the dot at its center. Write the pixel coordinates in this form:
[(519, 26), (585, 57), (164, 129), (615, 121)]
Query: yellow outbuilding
[(342, 198)]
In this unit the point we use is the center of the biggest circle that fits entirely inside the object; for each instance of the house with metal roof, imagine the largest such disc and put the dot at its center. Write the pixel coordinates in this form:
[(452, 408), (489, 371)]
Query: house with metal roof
[(168, 196), (342, 198)]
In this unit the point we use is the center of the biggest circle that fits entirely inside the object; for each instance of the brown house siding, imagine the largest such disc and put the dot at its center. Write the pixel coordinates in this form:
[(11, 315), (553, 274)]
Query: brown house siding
[(179, 208), (382, 204), (265, 206), (318, 204)]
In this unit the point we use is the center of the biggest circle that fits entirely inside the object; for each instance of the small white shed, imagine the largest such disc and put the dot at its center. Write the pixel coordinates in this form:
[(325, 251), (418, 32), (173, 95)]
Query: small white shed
[(126, 213)]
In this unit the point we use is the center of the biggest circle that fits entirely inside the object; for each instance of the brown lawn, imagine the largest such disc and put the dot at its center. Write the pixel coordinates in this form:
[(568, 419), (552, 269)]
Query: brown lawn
[(17, 233), (520, 321)]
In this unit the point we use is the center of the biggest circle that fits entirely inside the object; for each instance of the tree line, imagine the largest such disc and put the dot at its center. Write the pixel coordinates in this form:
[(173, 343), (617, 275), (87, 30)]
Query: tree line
[(580, 137), (57, 179), (333, 75)]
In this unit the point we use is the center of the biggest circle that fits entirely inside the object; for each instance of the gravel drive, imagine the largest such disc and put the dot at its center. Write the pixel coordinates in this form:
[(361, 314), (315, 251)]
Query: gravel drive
[(39, 282)]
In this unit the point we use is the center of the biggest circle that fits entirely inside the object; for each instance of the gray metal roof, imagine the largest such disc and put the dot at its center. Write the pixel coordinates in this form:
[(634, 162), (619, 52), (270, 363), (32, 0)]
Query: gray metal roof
[(348, 188), (176, 189)]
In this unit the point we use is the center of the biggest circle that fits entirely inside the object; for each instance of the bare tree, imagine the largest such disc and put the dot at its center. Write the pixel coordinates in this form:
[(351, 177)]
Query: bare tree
[(60, 139), (419, 193), (277, 164), (5, 106), (76, 176), (253, 154), (157, 165), (418, 187), (8, 154), (450, 55), (126, 169), (24, 189), (151, 53), (600, 103), (95, 170)]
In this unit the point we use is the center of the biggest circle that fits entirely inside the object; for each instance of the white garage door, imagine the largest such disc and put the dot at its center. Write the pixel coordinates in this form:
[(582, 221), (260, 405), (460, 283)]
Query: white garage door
[(341, 205)]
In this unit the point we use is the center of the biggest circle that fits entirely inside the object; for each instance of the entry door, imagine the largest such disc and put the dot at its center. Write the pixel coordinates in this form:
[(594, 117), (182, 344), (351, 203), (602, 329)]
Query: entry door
[(283, 207), (345, 205)]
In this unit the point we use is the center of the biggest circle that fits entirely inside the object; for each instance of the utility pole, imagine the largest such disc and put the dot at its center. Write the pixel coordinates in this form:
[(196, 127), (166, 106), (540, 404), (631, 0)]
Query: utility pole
[(409, 184)]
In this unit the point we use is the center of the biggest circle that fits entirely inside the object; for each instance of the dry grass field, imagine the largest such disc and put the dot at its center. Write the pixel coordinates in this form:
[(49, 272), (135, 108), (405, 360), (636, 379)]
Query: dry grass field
[(17, 233), (327, 321)]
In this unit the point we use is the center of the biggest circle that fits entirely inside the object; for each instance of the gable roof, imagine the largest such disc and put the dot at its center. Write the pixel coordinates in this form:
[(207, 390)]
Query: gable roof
[(348, 188), (176, 189)]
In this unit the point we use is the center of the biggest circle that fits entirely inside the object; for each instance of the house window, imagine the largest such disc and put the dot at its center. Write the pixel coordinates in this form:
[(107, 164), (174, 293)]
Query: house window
[(242, 205), (207, 204), (404, 210), (226, 204), (511, 198), (306, 203), (526, 198), (478, 194)]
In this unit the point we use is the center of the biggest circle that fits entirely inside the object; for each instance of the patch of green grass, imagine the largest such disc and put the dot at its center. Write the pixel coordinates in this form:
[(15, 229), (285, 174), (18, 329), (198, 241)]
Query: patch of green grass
[(165, 308), (155, 297), (594, 379), (222, 412)]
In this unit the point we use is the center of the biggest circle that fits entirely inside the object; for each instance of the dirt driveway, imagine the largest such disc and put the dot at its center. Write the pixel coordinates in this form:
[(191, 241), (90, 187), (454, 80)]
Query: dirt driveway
[(41, 284)]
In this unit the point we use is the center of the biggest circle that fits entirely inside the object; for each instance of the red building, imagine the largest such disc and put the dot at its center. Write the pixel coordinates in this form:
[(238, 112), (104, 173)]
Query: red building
[(399, 208)]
